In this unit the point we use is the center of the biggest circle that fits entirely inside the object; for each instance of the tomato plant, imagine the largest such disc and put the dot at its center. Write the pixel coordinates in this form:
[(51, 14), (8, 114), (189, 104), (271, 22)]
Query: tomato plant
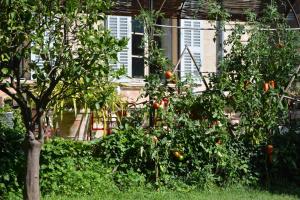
[(197, 130)]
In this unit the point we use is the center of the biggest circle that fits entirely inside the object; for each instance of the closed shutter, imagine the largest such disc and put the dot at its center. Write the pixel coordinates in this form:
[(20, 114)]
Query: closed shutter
[(191, 38), (120, 27)]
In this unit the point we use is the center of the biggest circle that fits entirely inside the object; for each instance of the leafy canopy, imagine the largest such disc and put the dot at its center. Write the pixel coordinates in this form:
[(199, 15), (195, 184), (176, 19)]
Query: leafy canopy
[(73, 51)]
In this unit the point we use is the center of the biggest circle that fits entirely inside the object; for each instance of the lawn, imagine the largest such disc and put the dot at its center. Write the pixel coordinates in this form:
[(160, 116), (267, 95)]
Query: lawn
[(215, 194)]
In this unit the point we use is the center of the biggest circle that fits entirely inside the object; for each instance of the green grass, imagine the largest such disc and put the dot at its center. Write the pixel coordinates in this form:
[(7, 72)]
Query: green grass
[(215, 194)]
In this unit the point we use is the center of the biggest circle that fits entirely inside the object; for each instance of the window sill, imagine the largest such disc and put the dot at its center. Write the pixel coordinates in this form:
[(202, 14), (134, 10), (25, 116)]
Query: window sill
[(126, 81)]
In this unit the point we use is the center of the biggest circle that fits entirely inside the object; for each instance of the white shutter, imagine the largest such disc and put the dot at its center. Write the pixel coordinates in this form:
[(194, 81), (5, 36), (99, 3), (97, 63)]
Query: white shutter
[(120, 27), (192, 38)]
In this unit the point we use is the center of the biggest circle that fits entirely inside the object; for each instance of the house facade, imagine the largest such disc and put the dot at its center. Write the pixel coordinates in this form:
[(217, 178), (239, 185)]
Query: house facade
[(197, 35), (179, 30)]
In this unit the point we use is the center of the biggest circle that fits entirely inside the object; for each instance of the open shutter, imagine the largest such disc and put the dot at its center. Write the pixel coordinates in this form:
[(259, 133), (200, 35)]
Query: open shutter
[(191, 37), (120, 27)]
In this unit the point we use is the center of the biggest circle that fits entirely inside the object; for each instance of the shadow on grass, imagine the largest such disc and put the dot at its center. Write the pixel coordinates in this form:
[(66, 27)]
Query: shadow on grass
[(284, 188)]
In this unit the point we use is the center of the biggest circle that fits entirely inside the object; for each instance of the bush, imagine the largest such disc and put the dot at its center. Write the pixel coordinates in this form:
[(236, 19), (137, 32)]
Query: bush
[(285, 165), (209, 155), (11, 155), (68, 168)]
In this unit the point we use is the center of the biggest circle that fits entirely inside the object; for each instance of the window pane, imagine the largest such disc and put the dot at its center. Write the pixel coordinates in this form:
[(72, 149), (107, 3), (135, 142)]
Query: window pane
[(137, 27), (137, 67), (137, 48), (157, 40)]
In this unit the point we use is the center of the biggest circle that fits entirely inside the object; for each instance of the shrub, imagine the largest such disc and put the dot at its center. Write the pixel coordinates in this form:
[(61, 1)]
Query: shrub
[(285, 165), (11, 155), (209, 155), (68, 168)]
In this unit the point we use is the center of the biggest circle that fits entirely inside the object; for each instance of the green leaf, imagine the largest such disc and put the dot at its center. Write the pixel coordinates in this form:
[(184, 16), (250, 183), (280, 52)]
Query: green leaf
[(97, 105), (4, 71)]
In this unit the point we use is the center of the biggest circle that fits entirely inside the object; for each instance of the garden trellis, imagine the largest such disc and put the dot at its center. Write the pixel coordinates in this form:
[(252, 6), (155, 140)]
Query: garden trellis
[(186, 48)]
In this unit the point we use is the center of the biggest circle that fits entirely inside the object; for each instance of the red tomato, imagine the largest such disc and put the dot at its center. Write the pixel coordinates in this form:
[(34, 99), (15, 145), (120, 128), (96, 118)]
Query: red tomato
[(155, 105), (168, 74), (266, 87), (166, 101)]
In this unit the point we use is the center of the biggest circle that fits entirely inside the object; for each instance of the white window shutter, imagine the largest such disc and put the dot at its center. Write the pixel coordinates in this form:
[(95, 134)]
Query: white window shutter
[(120, 27), (191, 36)]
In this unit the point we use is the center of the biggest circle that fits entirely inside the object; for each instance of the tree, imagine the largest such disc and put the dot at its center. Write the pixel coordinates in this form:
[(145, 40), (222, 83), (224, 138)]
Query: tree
[(74, 52)]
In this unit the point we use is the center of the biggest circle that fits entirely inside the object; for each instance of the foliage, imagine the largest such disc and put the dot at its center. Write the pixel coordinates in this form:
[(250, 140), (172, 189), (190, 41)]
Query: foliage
[(267, 56), (73, 50), (68, 168), (193, 140), (286, 161), (205, 163), (73, 47), (11, 160), (232, 193), (17, 119)]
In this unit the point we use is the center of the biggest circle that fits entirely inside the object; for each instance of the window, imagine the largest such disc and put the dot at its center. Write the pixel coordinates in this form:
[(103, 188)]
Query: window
[(132, 57), (191, 36), (138, 69)]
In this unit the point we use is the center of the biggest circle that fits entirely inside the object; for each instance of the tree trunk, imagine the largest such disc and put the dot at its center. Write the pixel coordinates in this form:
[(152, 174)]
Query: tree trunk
[(33, 150)]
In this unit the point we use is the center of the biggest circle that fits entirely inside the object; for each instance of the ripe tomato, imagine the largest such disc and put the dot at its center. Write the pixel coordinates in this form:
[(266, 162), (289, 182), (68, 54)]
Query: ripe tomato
[(166, 101), (177, 154), (155, 105), (269, 149), (272, 84), (168, 74), (266, 87)]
